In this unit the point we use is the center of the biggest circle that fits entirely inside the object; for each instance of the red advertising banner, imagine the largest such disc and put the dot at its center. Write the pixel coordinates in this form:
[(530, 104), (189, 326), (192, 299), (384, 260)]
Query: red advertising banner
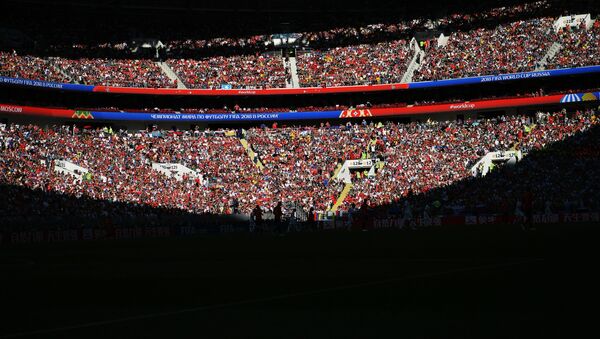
[(350, 113), (456, 107), (249, 92), (41, 111)]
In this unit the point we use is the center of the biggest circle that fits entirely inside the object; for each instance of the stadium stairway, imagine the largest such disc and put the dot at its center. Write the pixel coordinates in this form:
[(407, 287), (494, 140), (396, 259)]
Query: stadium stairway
[(253, 156), (169, 73), (293, 68), (67, 75), (288, 81), (346, 190), (337, 170), (555, 48), (415, 62), (341, 198)]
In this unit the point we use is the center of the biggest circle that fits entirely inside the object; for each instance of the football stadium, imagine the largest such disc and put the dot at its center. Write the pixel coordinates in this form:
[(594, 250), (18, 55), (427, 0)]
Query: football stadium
[(289, 169)]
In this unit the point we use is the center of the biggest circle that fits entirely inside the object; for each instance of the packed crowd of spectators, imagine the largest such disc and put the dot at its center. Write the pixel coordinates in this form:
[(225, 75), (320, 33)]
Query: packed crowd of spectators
[(381, 63), (363, 54), (374, 33), (422, 162), (243, 71), (509, 48), (435, 158), (580, 47), (30, 67), (560, 177), (498, 14), (107, 72), (120, 165), (299, 162), (55, 38), (221, 45), (112, 72)]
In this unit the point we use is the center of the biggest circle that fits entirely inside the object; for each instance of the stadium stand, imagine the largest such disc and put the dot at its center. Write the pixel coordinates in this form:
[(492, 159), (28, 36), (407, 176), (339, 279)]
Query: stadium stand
[(499, 41), (128, 177), (509, 48), (176, 167), (107, 72), (299, 162), (246, 71), (422, 157), (381, 63), (110, 72), (579, 47), (30, 67)]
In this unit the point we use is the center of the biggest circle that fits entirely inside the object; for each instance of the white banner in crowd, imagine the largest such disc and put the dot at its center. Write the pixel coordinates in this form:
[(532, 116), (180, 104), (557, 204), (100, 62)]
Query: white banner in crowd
[(177, 170), (486, 164), (365, 164), (573, 21), (67, 167)]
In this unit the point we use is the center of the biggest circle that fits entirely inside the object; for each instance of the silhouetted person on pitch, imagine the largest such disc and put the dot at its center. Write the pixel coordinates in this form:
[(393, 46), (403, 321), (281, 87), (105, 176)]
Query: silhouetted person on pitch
[(235, 206), (257, 217), (528, 211), (312, 220), (364, 214), (277, 213)]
